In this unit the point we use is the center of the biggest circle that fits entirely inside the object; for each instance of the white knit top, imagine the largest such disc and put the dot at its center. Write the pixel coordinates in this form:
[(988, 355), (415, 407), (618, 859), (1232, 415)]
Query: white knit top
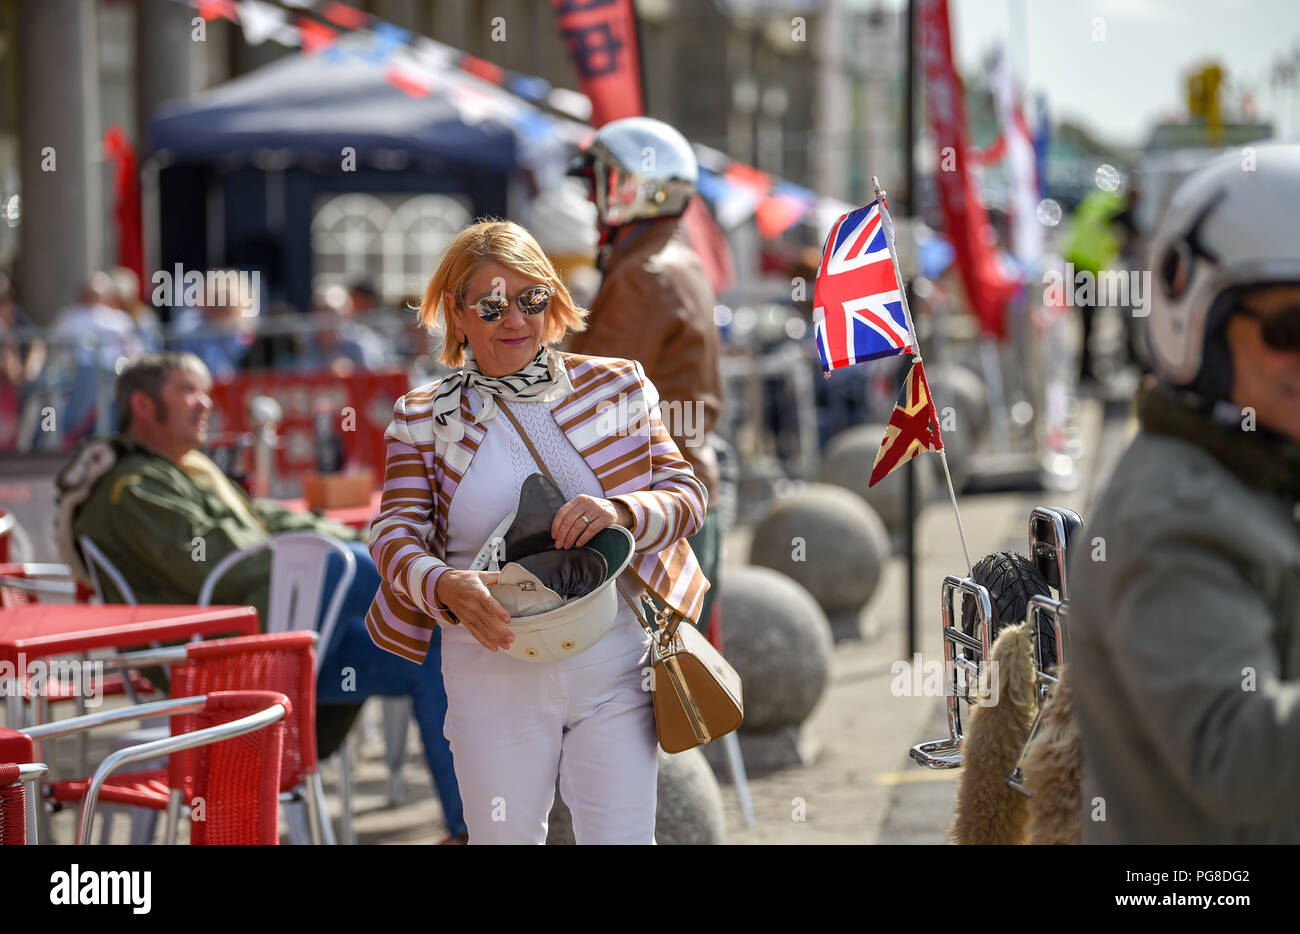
[(489, 491)]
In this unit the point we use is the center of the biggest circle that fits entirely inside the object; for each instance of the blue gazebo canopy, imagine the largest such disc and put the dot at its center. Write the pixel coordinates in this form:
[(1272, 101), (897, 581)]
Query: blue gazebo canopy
[(308, 108)]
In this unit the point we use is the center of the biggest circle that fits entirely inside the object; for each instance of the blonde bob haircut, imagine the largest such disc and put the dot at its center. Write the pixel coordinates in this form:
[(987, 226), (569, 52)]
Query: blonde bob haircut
[(495, 241)]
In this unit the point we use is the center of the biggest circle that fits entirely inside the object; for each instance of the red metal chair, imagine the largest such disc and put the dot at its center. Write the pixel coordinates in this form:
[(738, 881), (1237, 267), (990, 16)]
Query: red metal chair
[(16, 769), (239, 779), (283, 662), (21, 584), (25, 580), (234, 781)]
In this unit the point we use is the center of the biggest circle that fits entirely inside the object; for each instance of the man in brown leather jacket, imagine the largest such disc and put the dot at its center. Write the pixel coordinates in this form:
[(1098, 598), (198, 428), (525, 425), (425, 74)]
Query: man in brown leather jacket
[(655, 302)]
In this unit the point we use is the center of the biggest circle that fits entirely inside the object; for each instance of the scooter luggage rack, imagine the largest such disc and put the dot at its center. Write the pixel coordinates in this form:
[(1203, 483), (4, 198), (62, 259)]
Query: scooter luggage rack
[(946, 753), (1050, 529), (1058, 614)]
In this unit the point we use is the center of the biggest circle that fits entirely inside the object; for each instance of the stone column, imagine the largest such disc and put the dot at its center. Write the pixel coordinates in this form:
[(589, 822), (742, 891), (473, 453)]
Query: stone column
[(166, 58), (59, 139), (832, 129)]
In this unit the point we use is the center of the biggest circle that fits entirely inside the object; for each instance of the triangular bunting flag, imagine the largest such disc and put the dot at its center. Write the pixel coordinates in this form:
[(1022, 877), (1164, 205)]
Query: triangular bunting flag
[(387, 40), (213, 9), (349, 17), (261, 21), (410, 75), (481, 68), (315, 36)]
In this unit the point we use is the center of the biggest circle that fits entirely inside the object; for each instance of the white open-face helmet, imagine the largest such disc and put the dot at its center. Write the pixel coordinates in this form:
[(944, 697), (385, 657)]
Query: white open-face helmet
[(641, 168), (1229, 225)]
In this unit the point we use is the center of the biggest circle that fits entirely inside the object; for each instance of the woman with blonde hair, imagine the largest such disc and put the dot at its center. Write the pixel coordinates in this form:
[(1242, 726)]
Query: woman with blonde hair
[(526, 706)]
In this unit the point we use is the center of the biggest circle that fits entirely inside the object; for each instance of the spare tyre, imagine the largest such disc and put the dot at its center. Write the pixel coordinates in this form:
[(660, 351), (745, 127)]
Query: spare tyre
[(1011, 579)]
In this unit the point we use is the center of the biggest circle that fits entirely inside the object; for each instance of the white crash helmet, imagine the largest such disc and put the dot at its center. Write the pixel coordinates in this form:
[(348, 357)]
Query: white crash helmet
[(641, 168), (1229, 225)]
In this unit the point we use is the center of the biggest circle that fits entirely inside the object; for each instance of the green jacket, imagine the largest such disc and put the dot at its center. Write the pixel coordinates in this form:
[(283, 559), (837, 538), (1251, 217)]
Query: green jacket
[(165, 532), (1184, 648)]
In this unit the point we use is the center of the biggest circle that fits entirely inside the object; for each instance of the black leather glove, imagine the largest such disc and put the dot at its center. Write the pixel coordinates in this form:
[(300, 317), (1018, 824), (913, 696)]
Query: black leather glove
[(539, 500), (570, 572)]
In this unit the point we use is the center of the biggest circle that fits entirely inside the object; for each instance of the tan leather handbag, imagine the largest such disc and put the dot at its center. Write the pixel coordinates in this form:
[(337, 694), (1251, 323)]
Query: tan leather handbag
[(697, 694)]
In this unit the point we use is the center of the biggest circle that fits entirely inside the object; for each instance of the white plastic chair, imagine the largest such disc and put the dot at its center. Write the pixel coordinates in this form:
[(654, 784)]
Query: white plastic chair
[(298, 563)]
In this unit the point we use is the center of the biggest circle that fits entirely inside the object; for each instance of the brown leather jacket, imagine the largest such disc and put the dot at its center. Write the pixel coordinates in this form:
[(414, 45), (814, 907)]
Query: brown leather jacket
[(655, 305)]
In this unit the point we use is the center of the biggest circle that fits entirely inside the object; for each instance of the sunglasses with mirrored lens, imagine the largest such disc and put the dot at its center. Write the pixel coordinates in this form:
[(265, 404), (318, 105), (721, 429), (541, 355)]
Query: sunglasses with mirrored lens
[(531, 301), (1280, 330)]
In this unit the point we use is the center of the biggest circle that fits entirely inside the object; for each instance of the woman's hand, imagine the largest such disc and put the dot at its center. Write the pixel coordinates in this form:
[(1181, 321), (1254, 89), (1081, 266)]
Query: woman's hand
[(578, 520), (466, 594)]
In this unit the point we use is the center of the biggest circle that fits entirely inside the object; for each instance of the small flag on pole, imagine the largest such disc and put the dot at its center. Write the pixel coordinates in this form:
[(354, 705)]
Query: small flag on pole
[(913, 426), (857, 306)]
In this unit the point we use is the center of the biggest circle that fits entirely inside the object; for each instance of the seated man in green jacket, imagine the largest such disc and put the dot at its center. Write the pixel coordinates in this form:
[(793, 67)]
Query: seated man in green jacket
[(164, 514)]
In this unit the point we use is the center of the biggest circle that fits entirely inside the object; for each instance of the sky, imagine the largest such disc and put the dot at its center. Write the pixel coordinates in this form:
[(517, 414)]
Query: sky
[(1120, 86)]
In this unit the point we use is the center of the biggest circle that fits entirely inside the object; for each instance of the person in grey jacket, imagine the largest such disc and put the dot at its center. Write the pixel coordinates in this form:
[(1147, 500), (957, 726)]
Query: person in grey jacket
[(1185, 599)]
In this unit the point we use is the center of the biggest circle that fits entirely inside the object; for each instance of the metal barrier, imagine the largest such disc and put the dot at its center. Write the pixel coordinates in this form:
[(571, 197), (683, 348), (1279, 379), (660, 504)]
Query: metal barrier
[(747, 379)]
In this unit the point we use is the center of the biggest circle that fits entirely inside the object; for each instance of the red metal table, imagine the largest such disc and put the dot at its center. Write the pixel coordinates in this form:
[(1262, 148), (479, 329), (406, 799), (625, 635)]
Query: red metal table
[(43, 630)]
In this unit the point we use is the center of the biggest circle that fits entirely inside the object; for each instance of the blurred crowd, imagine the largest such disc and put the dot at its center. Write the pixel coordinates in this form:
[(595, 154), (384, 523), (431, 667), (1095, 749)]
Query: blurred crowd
[(68, 368)]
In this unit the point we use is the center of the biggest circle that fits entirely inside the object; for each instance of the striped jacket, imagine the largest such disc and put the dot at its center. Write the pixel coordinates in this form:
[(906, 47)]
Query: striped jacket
[(605, 418)]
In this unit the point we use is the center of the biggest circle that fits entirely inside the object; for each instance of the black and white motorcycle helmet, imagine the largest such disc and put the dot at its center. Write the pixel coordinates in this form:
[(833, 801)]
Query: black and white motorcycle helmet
[(1228, 226), (641, 168)]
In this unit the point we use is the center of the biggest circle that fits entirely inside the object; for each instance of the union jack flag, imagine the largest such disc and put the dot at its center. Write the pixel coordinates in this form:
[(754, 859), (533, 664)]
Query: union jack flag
[(913, 426), (857, 308)]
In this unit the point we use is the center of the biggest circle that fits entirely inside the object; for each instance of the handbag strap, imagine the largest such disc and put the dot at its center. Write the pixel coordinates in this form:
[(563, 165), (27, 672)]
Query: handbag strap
[(666, 628), (528, 442)]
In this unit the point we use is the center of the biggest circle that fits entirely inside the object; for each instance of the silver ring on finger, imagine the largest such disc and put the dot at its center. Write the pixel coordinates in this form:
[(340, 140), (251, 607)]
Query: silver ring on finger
[(586, 519)]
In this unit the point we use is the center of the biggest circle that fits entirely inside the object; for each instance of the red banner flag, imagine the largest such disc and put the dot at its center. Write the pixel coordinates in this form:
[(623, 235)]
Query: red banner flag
[(601, 38), (965, 221), (126, 204), (913, 426)]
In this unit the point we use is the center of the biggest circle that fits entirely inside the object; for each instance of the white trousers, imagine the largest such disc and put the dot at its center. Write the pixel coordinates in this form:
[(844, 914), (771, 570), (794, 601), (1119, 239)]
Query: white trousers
[(514, 726)]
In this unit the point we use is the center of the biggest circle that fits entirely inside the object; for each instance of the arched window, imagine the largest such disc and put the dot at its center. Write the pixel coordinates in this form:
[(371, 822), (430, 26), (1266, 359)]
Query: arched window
[(391, 239)]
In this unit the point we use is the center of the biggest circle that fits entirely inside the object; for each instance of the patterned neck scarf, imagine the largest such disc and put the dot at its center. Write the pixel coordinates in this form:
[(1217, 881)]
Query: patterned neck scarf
[(544, 379)]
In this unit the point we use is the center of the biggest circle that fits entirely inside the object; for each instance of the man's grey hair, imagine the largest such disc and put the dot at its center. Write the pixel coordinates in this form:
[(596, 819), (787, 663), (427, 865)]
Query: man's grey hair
[(147, 373)]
